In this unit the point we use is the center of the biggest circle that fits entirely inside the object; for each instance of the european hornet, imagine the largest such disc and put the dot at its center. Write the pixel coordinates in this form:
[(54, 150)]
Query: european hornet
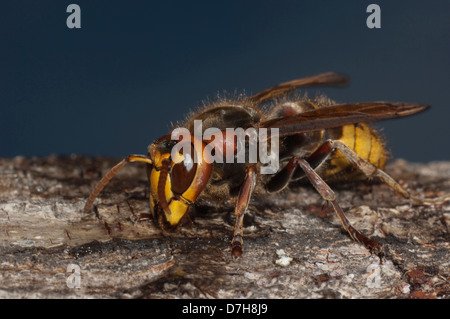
[(318, 140)]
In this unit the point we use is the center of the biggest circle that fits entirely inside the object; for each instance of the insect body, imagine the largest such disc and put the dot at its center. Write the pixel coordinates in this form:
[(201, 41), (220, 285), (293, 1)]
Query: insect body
[(318, 140)]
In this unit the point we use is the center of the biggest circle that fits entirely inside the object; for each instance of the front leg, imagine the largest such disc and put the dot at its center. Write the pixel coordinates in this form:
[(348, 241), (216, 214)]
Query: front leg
[(242, 202)]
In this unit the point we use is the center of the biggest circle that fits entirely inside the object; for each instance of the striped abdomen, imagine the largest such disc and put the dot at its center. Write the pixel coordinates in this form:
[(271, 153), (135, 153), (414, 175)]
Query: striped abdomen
[(364, 140)]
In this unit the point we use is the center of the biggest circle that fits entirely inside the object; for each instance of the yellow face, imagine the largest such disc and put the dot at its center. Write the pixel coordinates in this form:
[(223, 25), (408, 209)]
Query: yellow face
[(175, 183)]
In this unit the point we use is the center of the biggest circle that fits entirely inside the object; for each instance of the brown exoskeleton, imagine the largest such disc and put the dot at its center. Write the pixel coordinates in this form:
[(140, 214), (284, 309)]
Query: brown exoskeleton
[(311, 132)]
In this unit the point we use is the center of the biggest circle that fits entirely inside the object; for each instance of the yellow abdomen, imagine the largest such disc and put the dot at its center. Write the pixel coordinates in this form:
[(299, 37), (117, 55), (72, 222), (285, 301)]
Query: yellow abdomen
[(365, 141)]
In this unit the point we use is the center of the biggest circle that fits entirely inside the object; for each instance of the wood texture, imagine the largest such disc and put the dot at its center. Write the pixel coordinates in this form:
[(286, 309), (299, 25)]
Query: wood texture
[(294, 246)]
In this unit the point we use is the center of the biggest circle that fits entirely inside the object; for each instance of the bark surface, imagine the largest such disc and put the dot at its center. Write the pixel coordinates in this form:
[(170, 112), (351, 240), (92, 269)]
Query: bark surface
[(294, 246)]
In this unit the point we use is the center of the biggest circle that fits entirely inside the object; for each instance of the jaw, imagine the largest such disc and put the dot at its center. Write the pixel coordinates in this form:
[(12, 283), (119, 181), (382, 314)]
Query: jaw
[(161, 220)]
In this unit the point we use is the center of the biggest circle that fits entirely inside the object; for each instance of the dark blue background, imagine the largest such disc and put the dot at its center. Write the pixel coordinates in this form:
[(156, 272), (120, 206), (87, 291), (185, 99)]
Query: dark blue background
[(114, 85)]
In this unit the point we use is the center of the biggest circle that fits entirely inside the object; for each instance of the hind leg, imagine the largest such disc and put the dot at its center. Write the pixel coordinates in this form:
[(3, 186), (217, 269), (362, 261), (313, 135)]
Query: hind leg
[(327, 193), (369, 170)]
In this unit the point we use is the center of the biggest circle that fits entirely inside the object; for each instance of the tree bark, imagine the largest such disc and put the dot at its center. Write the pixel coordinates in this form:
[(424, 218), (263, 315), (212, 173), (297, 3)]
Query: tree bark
[(294, 246)]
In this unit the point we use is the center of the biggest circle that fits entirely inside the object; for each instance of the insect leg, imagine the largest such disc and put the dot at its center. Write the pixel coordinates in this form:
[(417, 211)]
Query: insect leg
[(241, 206), (281, 179), (105, 180), (327, 193), (371, 170), (289, 173)]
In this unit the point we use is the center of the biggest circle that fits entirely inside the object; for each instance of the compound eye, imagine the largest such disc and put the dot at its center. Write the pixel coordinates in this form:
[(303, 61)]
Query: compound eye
[(183, 173)]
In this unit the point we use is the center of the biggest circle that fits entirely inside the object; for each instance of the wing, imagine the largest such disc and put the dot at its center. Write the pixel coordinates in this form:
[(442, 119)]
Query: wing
[(324, 79), (340, 115)]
